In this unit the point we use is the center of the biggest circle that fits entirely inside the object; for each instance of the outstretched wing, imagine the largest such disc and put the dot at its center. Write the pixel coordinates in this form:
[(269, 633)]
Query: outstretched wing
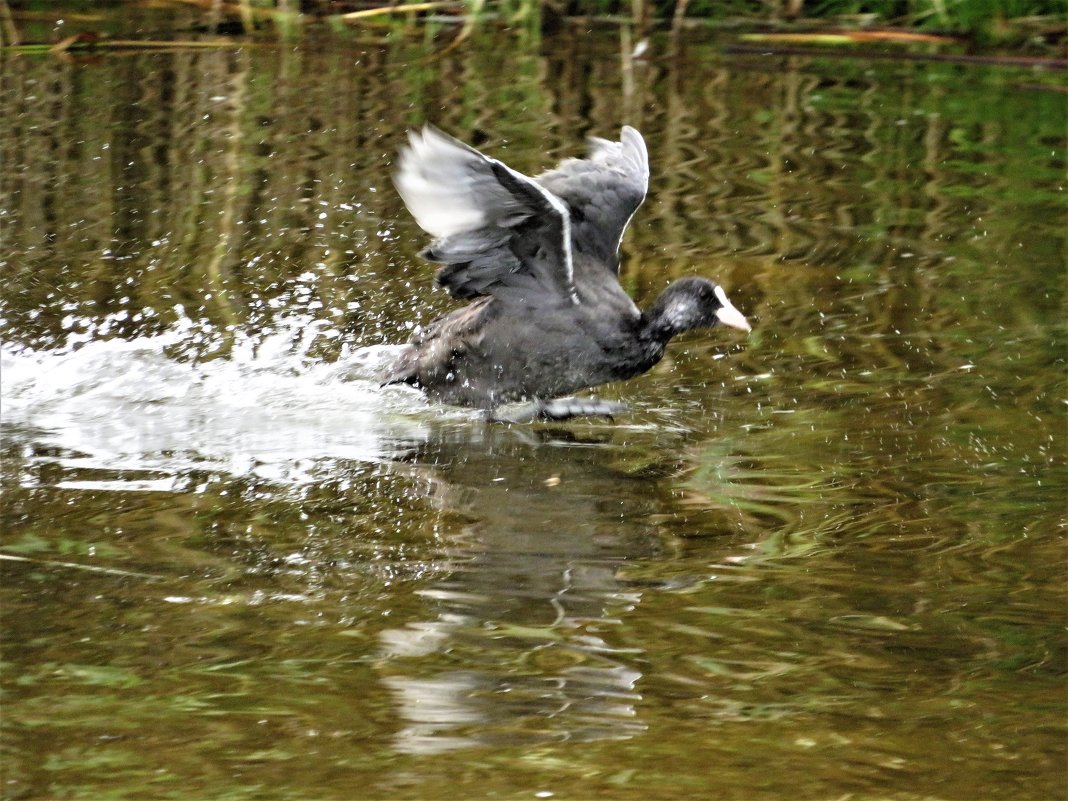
[(497, 231), (602, 192)]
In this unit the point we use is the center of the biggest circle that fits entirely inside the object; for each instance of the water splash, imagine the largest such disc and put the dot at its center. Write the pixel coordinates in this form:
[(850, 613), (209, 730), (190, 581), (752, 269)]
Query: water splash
[(129, 408)]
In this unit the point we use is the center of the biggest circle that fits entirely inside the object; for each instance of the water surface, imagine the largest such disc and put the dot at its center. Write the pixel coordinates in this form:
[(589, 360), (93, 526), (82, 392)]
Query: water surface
[(819, 562)]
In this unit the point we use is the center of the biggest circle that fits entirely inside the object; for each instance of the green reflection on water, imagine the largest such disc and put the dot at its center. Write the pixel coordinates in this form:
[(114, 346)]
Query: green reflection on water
[(824, 561)]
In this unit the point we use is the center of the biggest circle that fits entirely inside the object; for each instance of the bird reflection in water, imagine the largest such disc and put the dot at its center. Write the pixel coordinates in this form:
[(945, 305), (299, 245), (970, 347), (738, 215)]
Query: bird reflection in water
[(530, 600)]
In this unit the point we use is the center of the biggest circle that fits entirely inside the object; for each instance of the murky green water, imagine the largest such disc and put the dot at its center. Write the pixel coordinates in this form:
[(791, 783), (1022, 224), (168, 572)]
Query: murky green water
[(823, 562)]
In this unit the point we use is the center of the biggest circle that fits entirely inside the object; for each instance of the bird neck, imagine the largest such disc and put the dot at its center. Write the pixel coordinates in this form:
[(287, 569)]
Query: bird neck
[(662, 321)]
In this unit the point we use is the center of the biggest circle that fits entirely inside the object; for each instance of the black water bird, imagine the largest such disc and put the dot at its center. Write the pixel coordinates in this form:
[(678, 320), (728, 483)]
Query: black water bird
[(539, 257)]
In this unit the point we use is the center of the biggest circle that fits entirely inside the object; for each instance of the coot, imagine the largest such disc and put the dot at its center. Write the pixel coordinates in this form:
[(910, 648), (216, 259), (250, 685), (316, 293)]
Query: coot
[(539, 257)]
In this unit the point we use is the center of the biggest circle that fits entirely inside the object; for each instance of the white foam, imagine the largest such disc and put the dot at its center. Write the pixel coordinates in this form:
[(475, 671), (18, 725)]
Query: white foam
[(266, 410)]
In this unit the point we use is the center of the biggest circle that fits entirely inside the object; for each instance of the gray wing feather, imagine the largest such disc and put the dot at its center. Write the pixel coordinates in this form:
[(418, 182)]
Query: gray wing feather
[(602, 192), (497, 231)]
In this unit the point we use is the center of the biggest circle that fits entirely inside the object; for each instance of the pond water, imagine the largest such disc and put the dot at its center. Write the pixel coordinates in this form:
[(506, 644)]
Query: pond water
[(823, 561)]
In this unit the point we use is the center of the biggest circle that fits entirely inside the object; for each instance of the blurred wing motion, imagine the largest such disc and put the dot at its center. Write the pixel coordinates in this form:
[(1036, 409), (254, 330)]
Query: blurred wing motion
[(497, 231)]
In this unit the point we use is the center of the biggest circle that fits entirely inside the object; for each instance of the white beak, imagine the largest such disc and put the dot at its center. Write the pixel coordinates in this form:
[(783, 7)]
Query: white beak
[(728, 315)]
